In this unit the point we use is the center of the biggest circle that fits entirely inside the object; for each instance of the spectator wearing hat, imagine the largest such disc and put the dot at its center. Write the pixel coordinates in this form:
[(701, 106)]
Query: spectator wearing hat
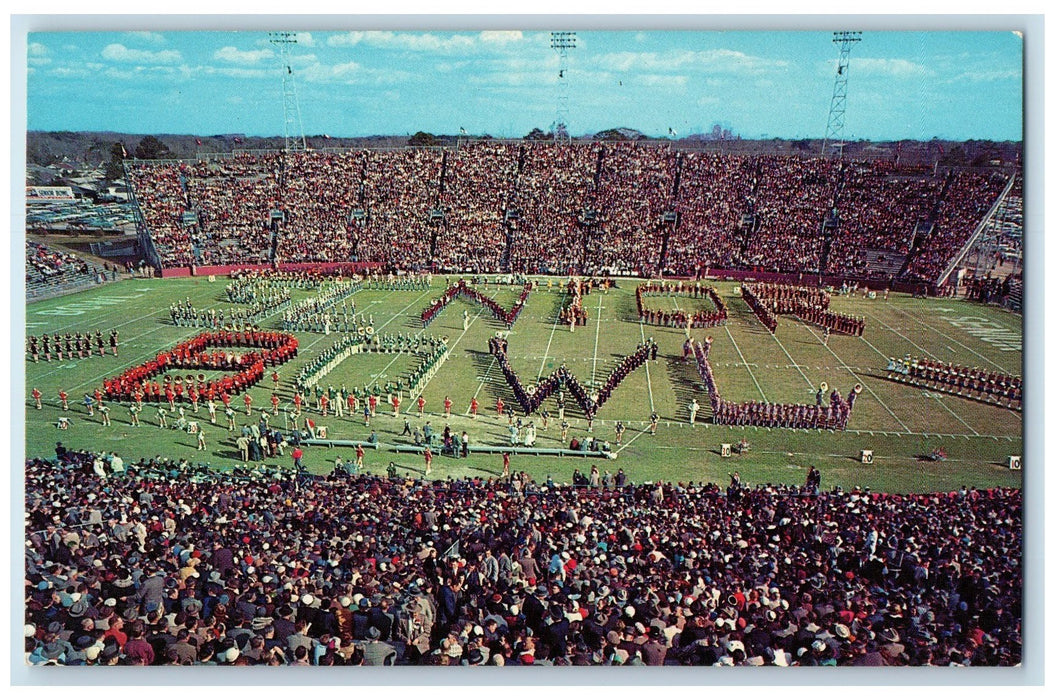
[(377, 652)]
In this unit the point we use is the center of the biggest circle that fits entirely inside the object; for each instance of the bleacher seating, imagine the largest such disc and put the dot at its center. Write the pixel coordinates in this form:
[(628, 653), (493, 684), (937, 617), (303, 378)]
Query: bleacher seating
[(592, 208)]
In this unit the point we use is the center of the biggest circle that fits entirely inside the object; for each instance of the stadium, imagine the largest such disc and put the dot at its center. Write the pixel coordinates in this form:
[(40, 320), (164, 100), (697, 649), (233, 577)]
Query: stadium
[(546, 401)]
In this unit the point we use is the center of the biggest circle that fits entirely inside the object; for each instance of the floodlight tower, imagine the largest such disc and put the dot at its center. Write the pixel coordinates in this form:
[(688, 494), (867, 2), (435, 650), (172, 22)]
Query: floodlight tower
[(562, 42), (837, 112), (294, 129)]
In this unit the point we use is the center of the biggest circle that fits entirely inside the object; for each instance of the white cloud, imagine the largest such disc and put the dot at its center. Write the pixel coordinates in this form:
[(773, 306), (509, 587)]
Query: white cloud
[(67, 72), (346, 39), (449, 66), (121, 73), (305, 39), (408, 41), (987, 76), (240, 73), (147, 37), (120, 53), (894, 67), (37, 50), (352, 73), (501, 37), (230, 54), (140, 73), (714, 60), (663, 81)]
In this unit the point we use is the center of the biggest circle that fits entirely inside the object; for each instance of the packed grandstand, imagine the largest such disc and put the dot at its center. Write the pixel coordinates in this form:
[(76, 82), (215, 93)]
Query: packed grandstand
[(588, 208), (163, 563), (166, 562)]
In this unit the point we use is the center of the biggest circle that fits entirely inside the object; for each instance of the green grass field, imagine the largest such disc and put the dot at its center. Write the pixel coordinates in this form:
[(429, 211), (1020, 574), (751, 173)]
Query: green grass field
[(899, 423)]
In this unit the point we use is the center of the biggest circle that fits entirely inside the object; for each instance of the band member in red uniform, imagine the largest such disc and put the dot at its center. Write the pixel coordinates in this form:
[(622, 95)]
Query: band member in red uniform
[(36, 398), (421, 405), (274, 404), (447, 407), (248, 400), (474, 406), (65, 399)]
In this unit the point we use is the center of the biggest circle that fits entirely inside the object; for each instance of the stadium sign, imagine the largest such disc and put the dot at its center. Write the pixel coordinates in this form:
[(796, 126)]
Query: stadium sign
[(49, 194)]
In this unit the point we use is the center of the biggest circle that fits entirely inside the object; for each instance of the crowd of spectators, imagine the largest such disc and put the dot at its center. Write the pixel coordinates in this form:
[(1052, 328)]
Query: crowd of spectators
[(48, 265), (713, 197), (879, 211), (158, 562), (477, 184), (634, 187), (595, 208), (792, 198), (554, 187), (988, 290), (233, 200), (967, 199)]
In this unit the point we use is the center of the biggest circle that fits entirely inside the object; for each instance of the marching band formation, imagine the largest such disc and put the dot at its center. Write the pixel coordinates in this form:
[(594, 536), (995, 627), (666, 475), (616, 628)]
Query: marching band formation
[(433, 352), (184, 314), (768, 301), (266, 292), (319, 315), (209, 351), (762, 414), (679, 318), (974, 383), (465, 289), (532, 398), (69, 345)]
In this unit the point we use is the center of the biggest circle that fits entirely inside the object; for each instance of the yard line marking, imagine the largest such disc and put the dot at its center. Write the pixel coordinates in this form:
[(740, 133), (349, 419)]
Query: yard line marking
[(643, 431), (956, 415), (556, 320), (450, 351), (744, 360), (854, 375), (487, 375), (596, 339), (794, 364), (416, 335), (895, 332), (95, 317), (648, 375), (948, 337)]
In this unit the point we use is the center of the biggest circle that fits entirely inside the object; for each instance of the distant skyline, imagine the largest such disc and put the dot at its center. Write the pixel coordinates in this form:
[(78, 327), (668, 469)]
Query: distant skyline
[(759, 84)]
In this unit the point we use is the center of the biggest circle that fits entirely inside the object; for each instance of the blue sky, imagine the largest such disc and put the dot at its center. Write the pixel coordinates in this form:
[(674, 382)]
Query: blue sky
[(902, 85)]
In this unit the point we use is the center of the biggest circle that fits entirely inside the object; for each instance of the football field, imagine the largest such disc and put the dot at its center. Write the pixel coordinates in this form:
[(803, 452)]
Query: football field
[(900, 424)]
